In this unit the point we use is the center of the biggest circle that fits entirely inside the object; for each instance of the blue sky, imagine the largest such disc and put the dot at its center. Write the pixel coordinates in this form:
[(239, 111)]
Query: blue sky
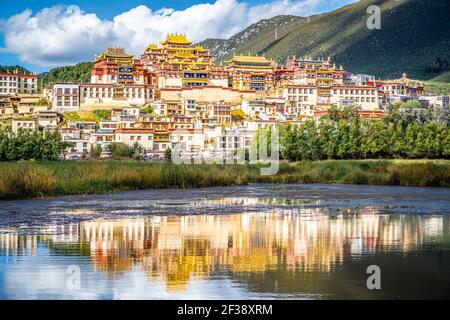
[(41, 34)]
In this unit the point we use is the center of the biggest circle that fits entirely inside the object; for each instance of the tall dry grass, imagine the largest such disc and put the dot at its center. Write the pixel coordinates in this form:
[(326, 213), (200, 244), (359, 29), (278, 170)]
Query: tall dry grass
[(25, 182), (44, 179)]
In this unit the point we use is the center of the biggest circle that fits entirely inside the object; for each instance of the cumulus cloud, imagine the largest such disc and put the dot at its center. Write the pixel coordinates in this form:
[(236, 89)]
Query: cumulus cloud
[(63, 35)]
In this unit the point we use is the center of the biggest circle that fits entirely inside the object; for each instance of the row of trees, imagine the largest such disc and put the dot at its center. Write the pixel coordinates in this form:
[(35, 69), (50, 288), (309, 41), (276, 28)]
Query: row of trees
[(407, 131), (30, 145)]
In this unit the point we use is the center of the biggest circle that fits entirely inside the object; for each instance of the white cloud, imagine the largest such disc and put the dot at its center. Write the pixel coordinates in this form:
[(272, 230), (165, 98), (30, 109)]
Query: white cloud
[(63, 35)]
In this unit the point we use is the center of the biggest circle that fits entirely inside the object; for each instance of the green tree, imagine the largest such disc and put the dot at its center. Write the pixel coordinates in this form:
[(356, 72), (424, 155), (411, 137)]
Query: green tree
[(289, 143), (120, 149), (101, 115), (136, 151), (31, 145), (168, 155), (95, 152), (148, 109)]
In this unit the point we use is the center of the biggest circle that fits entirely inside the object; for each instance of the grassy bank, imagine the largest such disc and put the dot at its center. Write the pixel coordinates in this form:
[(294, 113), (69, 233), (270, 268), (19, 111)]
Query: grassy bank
[(45, 179)]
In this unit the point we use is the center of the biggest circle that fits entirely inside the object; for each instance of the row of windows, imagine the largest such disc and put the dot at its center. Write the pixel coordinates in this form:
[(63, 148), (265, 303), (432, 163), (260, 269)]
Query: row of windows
[(113, 77), (126, 76), (139, 138), (67, 104), (109, 126), (400, 92), (16, 79), (8, 90), (298, 98), (363, 99), (109, 95), (394, 87), (358, 92), (230, 146), (59, 98), (25, 124), (125, 69), (59, 91), (301, 90), (337, 91), (173, 137), (222, 113), (195, 75), (230, 139), (358, 99), (110, 90), (222, 109), (194, 84), (11, 84)]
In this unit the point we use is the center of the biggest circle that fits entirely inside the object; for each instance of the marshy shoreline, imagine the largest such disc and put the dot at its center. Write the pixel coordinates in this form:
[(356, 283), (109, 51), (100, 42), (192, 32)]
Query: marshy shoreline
[(27, 180)]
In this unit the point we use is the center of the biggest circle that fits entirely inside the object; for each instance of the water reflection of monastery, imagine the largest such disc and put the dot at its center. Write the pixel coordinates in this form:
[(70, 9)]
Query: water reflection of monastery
[(176, 248)]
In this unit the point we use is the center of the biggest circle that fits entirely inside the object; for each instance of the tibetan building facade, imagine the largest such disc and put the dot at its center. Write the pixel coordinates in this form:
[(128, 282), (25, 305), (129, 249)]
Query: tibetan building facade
[(117, 78), (16, 82), (217, 107), (251, 73), (115, 66), (179, 77), (177, 63)]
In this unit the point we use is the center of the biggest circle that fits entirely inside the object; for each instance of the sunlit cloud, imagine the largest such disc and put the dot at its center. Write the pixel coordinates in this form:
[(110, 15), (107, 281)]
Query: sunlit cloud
[(62, 35)]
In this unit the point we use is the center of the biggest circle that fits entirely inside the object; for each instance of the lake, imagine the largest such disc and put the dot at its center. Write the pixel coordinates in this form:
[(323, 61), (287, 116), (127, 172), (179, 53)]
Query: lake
[(259, 241)]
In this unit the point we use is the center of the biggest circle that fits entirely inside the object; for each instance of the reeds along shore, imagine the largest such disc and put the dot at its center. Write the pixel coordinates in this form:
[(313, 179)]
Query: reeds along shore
[(22, 180)]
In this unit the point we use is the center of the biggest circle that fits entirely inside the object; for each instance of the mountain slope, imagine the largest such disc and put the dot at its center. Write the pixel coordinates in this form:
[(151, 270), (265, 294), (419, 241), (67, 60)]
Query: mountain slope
[(414, 35), (79, 73), (255, 38)]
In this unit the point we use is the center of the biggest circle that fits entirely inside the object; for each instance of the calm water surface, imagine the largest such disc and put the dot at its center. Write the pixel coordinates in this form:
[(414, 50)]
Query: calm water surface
[(258, 241)]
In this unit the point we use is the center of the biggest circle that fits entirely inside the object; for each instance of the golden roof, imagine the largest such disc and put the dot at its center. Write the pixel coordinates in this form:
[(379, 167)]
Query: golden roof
[(153, 46), (184, 55), (176, 39), (200, 48), (257, 59), (115, 53)]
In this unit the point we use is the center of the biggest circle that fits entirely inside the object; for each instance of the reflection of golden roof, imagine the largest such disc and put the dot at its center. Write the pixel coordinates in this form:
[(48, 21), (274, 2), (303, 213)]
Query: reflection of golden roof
[(176, 39), (176, 249)]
